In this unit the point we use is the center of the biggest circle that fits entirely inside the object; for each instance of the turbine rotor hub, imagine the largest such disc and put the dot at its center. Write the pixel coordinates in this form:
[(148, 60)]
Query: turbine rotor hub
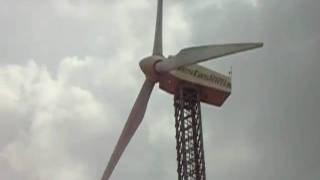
[(148, 67)]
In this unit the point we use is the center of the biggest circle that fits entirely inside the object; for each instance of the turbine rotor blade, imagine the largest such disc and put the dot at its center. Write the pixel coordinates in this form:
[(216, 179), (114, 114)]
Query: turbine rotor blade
[(157, 46), (199, 54), (135, 117)]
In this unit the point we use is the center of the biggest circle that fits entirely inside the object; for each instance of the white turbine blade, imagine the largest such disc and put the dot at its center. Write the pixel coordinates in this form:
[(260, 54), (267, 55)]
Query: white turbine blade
[(199, 54), (157, 47), (132, 124)]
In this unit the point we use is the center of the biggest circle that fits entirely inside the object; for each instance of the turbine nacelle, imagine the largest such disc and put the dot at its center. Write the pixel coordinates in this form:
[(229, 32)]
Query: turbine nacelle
[(148, 67), (166, 71)]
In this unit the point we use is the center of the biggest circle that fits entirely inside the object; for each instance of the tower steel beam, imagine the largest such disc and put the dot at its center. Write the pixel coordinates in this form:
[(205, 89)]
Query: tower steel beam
[(189, 139)]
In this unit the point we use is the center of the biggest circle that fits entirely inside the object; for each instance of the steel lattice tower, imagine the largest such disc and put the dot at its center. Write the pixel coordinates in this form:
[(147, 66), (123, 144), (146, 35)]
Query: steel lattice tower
[(182, 76), (189, 139)]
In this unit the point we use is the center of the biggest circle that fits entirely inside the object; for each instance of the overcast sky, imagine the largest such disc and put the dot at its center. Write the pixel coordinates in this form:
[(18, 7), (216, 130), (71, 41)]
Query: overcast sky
[(69, 75)]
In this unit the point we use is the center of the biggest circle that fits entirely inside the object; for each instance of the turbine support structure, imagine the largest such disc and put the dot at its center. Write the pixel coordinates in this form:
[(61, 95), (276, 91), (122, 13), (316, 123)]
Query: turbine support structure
[(189, 138)]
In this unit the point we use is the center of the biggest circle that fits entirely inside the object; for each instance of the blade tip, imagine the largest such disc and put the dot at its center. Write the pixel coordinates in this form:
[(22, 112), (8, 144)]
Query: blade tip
[(260, 44)]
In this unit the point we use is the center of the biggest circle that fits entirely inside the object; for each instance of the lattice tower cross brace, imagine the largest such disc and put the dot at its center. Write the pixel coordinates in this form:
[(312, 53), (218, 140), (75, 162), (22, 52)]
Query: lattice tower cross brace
[(189, 139)]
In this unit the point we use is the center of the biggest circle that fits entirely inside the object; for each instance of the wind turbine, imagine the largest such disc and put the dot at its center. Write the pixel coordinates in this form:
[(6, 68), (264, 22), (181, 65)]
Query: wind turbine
[(190, 84)]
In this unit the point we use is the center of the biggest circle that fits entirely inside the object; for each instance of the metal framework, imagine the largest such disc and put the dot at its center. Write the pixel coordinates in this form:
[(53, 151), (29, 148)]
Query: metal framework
[(190, 152)]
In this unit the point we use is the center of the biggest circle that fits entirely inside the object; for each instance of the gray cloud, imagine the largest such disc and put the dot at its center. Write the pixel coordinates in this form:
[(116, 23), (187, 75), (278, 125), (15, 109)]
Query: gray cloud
[(61, 113)]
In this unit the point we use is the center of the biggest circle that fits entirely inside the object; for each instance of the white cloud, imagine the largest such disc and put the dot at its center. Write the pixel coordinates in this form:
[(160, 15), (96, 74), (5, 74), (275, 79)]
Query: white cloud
[(60, 114), (63, 126), (161, 129), (176, 30)]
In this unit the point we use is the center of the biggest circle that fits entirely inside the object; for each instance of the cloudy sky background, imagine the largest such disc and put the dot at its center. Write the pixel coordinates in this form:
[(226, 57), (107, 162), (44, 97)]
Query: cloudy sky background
[(69, 75)]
